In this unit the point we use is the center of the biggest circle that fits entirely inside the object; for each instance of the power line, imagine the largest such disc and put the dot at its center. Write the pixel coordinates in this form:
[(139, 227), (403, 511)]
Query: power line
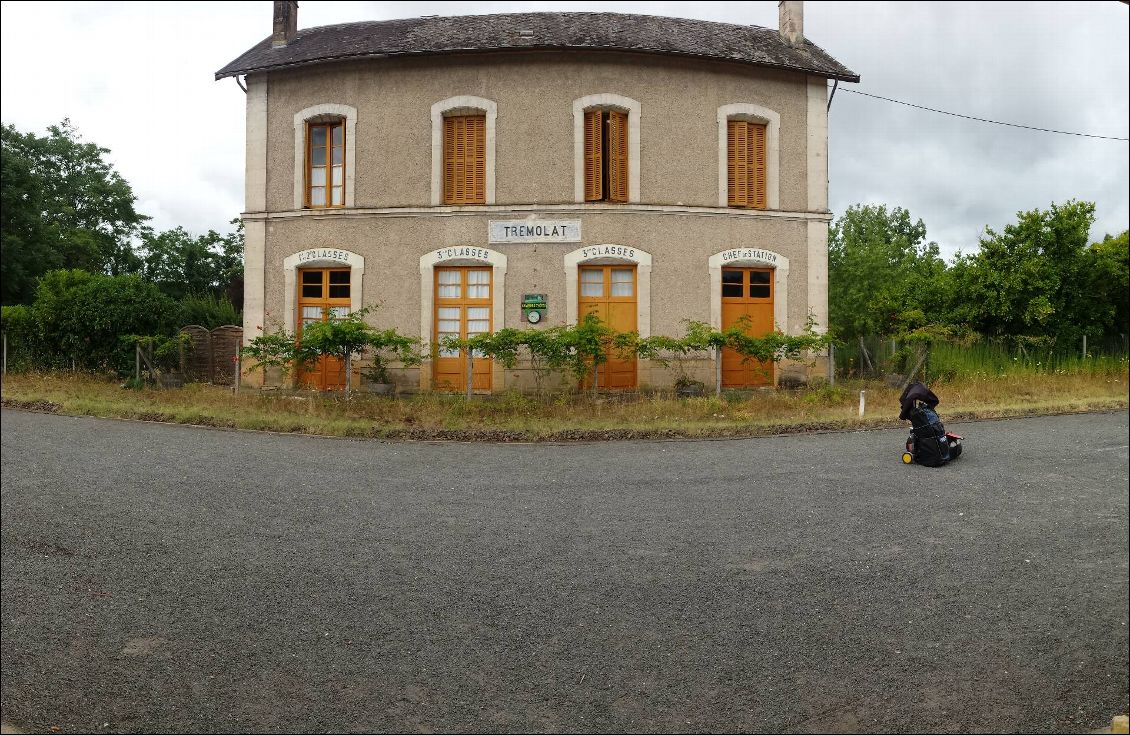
[(981, 119)]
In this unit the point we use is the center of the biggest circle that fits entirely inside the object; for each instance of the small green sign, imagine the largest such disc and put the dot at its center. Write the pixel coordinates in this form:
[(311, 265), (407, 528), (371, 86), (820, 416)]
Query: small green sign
[(533, 307)]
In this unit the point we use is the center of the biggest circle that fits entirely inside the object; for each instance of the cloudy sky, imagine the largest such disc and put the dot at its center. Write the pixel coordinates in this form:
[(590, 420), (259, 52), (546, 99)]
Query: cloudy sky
[(132, 76)]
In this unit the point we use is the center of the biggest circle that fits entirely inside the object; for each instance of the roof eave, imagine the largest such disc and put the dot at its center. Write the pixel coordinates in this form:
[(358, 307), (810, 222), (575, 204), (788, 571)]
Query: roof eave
[(222, 74)]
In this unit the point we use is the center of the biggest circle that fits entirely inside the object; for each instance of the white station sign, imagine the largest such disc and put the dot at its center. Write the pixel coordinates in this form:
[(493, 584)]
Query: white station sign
[(535, 230)]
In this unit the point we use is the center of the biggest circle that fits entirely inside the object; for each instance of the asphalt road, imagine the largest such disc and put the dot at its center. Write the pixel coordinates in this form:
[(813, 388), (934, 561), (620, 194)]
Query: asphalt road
[(160, 578)]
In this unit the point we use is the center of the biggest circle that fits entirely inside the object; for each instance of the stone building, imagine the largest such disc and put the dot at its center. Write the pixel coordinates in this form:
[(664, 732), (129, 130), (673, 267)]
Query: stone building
[(454, 169)]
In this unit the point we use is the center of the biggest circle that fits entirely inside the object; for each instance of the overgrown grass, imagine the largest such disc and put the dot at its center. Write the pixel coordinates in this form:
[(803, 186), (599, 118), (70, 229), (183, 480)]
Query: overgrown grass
[(515, 417), (951, 362)]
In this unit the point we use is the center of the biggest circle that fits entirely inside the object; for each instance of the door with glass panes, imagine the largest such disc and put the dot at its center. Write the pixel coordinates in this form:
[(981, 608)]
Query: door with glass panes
[(747, 299), (609, 292), (463, 305), (323, 293)]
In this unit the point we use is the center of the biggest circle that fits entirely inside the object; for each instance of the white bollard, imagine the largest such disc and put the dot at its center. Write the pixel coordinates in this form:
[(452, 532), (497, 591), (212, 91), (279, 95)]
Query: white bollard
[(862, 402)]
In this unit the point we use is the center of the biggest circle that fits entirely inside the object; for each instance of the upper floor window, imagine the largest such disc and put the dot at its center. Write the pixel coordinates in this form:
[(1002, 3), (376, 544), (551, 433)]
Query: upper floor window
[(606, 148), (746, 164), (749, 156), (325, 156), (606, 155), (465, 159), (325, 164)]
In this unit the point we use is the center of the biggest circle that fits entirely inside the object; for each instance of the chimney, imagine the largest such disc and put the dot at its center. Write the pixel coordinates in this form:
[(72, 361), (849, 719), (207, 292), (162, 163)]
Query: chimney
[(286, 22), (792, 21)]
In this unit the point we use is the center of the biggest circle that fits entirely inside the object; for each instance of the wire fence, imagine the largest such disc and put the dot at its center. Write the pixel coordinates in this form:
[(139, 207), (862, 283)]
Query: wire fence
[(878, 357)]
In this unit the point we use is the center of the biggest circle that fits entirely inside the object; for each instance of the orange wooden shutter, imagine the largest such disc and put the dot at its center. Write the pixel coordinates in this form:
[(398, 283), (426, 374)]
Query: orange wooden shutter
[(464, 159), (449, 160), (477, 148), (617, 156), (738, 163), (757, 166), (746, 167), (594, 191)]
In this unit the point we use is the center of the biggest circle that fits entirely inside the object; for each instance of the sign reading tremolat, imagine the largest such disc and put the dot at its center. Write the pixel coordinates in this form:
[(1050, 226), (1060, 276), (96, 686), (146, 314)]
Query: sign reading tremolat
[(541, 230)]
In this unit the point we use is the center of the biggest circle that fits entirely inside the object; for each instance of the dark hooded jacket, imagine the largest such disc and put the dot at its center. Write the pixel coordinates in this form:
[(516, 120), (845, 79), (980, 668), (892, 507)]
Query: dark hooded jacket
[(914, 393)]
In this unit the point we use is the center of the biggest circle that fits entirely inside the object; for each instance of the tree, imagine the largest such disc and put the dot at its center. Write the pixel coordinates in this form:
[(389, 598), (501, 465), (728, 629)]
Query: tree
[(25, 254), (182, 264), (86, 319), (64, 206), (1107, 265), (882, 277), (1030, 281)]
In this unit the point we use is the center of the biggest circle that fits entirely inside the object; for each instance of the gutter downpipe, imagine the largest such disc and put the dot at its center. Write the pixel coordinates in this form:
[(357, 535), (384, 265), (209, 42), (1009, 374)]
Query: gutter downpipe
[(835, 83), (236, 77)]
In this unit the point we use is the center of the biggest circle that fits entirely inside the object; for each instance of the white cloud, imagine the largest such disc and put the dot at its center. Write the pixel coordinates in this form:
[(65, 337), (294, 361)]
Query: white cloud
[(134, 76)]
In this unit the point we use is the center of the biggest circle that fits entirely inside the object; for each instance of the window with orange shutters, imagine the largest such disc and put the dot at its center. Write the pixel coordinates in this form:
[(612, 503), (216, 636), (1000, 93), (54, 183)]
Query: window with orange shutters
[(465, 159), (746, 164), (606, 155)]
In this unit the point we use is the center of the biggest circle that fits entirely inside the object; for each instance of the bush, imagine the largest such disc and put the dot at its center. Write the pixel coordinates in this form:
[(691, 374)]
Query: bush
[(19, 325), (208, 311), (88, 318)]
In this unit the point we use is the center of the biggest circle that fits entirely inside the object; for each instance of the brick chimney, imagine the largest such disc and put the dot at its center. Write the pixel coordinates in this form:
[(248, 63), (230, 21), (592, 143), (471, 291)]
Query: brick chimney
[(792, 21), (286, 22)]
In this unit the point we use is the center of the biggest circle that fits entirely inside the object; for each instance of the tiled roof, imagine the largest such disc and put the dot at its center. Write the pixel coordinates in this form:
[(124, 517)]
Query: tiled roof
[(605, 31)]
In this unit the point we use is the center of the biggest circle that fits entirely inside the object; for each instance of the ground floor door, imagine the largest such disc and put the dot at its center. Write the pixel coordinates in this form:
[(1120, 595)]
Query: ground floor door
[(747, 294), (323, 293), (609, 292), (464, 303)]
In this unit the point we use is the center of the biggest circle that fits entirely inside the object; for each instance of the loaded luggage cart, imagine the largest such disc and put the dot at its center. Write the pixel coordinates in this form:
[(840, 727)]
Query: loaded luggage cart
[(929, 444)]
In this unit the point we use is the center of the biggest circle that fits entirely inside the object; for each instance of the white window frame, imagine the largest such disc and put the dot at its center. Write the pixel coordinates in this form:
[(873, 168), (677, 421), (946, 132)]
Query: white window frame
[(780, 265), (326, 110), (603, 255), (606, 100), (772, 121), (301, 259), (450, 106)]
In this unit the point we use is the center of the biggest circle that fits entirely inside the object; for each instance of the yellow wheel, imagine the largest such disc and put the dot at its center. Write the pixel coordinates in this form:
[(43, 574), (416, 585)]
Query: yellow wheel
[(907, 457)]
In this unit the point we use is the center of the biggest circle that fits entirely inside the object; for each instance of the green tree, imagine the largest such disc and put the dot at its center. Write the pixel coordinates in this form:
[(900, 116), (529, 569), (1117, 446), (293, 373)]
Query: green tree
[(64, 206), (1108, 283), (883, 278), (1030, 281), (182, 264), (89, 318)]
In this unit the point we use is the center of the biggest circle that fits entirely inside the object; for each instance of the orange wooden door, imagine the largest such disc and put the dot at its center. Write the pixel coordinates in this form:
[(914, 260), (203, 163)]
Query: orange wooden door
[(747, 293), (609, 292), (323, 293), (463, 308)]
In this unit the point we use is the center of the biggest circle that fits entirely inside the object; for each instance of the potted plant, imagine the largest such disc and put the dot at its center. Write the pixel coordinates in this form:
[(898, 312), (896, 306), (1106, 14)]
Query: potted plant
[(375, 378), (386, 345)]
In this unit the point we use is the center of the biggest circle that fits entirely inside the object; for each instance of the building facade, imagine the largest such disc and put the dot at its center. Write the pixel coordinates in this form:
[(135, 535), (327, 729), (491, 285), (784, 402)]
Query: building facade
[(451, 170)]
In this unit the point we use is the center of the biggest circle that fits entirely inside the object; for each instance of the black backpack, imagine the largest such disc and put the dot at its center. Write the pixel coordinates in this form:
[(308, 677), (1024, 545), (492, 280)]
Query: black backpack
[(931, 447)]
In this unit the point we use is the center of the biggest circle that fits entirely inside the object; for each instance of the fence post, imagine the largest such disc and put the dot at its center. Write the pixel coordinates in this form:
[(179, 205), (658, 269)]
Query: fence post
[(831, 364), (5, 353), (470, 372), (862, 402), (1084, 347), (348, 372), (137, 361), (238, 371), (717, 372)]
